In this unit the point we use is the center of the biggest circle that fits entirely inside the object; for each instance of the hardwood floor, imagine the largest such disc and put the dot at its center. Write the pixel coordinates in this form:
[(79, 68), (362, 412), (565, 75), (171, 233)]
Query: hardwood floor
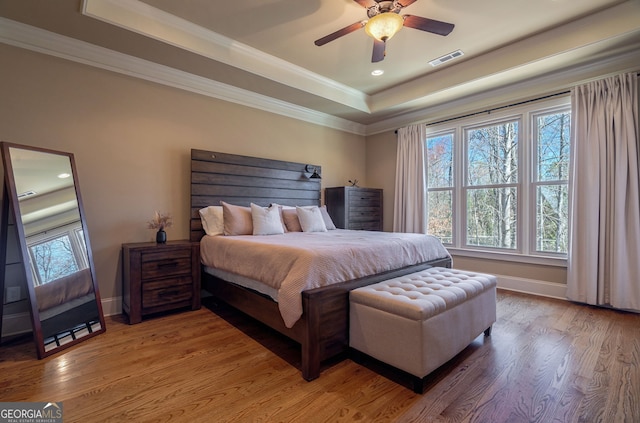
[(546, 361)]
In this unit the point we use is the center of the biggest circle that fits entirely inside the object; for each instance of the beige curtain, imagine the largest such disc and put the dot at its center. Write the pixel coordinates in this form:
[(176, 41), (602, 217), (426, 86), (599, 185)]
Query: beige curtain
[(410, 205), (604, 256)]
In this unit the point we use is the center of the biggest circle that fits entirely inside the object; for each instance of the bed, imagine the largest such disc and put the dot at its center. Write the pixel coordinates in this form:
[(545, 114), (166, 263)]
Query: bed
[(66, 304), (322, 327)]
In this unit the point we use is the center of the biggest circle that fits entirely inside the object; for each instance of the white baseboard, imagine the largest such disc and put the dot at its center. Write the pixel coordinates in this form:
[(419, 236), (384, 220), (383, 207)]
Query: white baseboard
[(16, 324), (532, 286), (19, 323), (111, 306)]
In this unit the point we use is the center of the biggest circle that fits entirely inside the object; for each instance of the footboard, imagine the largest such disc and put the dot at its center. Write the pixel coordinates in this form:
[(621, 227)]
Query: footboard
[(323, 329)]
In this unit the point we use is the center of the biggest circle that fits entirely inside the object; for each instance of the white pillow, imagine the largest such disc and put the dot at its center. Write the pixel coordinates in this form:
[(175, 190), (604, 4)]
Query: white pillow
[(327, 219), (237, 219), (266, 220), (212, 221), (280, 211), (311, 219)]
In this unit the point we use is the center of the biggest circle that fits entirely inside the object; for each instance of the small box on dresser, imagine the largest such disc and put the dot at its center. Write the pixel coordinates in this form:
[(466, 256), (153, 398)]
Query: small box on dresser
[(160, 277), (355, 207)]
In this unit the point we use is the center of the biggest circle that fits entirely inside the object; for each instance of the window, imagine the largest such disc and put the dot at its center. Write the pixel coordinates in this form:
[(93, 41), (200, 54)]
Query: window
[(53, 259), (491, 189), (440, 180), (499, 183), (551, 181), (56, 256)]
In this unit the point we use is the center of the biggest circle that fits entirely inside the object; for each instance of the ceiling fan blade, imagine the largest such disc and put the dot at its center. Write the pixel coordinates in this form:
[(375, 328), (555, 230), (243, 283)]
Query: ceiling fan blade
[(429, 25), (405, 3), (366, 3), (378, 51), (339, 33)]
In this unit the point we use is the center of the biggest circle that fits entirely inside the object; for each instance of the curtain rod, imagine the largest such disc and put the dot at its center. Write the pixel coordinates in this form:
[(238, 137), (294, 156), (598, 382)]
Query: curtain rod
[(496, 108), (499, 108)]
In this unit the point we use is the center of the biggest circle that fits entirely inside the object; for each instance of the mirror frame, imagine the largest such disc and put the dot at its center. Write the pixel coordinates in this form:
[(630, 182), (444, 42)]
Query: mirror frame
[(13, 207)]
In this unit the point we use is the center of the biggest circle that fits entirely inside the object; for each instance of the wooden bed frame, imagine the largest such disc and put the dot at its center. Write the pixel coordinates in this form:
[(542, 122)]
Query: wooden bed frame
[(323, 329)]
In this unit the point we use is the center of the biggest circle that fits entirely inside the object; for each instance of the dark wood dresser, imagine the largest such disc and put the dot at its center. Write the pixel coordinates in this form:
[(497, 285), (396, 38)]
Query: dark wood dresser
[(160, 277), (354, 207)]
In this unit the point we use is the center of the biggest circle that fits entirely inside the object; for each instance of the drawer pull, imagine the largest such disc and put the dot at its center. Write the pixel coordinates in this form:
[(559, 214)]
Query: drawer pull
[(169, 293), (168, 264)]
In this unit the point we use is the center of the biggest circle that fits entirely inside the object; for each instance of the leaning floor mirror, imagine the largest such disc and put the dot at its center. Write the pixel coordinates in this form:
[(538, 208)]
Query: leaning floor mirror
[(45, 250)]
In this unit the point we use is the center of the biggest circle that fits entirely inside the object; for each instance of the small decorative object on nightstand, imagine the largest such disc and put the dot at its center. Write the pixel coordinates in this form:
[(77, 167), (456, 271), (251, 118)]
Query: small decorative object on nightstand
[(160, 277), (160, 222), (354, 207)]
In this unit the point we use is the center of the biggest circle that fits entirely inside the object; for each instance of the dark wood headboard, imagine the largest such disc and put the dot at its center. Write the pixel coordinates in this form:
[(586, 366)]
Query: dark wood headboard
[(242, 180)]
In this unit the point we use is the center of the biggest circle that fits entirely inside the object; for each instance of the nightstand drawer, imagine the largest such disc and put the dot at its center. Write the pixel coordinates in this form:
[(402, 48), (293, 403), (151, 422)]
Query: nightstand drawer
[(166, 291), (165, 267)]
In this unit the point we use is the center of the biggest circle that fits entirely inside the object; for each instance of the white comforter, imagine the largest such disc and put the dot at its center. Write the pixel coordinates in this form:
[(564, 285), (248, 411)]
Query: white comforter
[(297, 261)]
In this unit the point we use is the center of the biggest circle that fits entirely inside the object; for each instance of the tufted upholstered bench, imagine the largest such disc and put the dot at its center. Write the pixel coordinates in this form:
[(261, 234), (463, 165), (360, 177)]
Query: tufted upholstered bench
[(419, 321)]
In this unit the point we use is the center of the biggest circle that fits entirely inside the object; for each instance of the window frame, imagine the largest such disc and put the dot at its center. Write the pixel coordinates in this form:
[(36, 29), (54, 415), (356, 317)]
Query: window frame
[(455, 178), (534, 177), (466, 187), (526, 114), (76, 241)]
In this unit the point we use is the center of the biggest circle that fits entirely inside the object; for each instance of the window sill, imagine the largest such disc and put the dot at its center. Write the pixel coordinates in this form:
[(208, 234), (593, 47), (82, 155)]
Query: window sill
[(513, 257)]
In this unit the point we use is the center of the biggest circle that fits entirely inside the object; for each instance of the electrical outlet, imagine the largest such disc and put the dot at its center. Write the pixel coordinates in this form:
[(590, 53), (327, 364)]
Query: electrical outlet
[(13, 294)]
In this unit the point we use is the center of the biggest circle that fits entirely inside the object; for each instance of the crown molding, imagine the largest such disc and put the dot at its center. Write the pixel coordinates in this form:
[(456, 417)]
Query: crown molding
[(534, 87), (46, 42), (144, 19)]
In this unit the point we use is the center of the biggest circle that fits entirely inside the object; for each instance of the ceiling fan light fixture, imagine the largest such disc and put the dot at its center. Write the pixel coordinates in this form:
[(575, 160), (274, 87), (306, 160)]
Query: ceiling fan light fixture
[(384, 25)]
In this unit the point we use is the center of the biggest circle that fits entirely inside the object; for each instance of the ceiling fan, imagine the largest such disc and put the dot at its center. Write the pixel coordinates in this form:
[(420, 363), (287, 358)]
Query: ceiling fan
[(384, 21)]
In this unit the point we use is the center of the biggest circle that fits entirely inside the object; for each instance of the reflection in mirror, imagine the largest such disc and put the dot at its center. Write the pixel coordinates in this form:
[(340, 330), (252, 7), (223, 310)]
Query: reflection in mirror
[(56, 254)]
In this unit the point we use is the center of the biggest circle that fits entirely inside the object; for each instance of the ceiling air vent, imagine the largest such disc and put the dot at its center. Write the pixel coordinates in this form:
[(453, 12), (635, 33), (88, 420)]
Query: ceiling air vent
[(446, 58), (26, 194)]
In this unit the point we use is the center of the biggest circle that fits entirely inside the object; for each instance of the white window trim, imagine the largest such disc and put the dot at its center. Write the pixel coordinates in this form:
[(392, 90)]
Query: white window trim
[(525, 251), (70, 230), (465, 187), (533, 174)]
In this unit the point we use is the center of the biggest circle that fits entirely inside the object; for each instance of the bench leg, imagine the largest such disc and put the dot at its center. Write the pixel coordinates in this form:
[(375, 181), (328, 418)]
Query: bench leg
[(487, 331)]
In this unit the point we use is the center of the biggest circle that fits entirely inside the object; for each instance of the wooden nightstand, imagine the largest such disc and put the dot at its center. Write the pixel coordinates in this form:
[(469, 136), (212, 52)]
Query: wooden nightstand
[(160, 277)]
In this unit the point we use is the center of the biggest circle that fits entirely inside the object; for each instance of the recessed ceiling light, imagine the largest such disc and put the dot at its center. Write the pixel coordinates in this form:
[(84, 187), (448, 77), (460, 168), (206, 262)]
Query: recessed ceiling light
[(63, 175), (377, 72)]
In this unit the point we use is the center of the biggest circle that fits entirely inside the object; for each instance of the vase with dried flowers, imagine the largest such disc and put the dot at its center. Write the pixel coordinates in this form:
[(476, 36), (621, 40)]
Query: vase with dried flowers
[(160, 222)]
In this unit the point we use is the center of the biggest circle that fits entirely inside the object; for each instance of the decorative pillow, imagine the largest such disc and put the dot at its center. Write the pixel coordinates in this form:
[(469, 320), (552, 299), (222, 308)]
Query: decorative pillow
[(280, 208), (266, 220), (311, 219), (237, 219), (291, 221), (212, 220), (327, 219)]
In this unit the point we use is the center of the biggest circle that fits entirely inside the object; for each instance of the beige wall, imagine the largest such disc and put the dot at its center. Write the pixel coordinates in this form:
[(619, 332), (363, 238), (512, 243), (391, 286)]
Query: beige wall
[(537, 272), (381, 170), (132, 139)]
